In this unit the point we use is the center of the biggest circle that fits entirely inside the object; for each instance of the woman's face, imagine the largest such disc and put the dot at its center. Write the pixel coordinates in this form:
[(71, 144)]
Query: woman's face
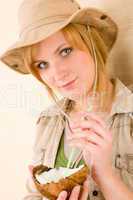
[(67, 69)]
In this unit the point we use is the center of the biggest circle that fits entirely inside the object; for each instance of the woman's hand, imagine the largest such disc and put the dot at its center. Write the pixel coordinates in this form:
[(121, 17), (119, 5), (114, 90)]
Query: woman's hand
[(95, 139), (74, 194), (77, 193)]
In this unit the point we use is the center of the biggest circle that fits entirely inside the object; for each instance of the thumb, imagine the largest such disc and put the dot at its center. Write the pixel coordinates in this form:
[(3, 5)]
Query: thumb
[(30, 167), (85, 189)]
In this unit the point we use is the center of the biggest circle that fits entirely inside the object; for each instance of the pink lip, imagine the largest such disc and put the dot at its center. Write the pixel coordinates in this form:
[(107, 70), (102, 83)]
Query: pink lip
[(68, 84)]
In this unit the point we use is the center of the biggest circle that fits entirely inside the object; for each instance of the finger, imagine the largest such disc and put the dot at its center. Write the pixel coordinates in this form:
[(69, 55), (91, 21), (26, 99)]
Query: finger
[(85, 146), (91, 133), (76, 117), (62, 195), (30, 167), (89, 116), (79, 117), (99, 118), (81, 144), (89, 136), (75, 193), (91, 124), (85, 190)]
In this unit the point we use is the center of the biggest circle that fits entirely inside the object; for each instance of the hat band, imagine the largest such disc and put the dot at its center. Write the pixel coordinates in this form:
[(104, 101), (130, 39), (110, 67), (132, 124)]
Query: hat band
[(43, 22)]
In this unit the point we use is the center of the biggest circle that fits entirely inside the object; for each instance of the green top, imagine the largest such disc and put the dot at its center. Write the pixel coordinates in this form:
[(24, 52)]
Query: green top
[(61, 160)]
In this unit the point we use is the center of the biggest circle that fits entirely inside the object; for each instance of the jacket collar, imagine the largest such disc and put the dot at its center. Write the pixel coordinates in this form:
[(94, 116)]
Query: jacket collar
[(123, 102), (54, 110)]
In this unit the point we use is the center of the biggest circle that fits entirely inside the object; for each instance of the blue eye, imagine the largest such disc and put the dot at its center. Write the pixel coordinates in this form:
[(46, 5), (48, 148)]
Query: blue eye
[(66, 51), (42, 65)]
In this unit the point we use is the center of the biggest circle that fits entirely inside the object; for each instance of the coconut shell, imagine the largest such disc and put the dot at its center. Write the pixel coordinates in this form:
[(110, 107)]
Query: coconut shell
[(52, 190)]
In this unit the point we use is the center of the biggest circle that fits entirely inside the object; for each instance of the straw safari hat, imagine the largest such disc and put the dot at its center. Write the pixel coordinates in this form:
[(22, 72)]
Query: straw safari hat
[(42, 18)]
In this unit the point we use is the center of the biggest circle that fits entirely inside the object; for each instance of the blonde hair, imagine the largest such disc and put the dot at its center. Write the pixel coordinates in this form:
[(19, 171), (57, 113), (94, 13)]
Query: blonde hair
[(84, 38)]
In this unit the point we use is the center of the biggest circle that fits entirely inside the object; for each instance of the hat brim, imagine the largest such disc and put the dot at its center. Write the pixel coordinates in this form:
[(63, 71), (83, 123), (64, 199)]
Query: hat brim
[(106, 27)]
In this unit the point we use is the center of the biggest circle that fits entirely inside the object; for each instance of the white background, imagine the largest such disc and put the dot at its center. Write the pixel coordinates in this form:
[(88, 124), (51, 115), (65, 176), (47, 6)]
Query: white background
[(22, 98)]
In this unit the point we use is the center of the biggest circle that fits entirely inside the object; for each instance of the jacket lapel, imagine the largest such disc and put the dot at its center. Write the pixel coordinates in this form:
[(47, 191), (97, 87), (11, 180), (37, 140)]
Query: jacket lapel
[(52, 145)]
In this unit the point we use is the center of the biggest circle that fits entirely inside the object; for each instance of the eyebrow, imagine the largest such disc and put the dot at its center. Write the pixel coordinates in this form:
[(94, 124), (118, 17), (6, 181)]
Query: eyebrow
[(56, 50)]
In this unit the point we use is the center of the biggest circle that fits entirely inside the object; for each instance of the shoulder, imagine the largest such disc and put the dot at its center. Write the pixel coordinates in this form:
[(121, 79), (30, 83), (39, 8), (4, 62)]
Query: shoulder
[(123, 101), (47, 124)]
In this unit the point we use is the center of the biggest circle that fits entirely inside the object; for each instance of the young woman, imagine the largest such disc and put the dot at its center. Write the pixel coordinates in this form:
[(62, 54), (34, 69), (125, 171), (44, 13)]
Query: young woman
[(66, 48)]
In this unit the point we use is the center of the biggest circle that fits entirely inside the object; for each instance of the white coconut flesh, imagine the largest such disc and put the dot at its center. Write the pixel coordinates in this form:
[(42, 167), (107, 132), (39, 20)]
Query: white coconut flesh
[(55, 174)]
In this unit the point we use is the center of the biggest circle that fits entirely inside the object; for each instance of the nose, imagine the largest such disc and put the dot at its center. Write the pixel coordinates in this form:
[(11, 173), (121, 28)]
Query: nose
[(60, 73)]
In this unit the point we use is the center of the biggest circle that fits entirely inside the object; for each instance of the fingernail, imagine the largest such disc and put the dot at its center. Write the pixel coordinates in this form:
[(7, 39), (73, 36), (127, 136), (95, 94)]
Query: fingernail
[(77, 187), (63, 194)]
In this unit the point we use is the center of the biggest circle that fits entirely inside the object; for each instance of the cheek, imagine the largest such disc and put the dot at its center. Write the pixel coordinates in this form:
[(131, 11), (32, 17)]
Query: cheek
[(85, 68), (49, 81), (47, 78)]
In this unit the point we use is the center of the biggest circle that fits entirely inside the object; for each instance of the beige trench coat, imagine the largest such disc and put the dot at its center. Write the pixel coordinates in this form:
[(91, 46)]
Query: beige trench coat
[(51, 123)]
